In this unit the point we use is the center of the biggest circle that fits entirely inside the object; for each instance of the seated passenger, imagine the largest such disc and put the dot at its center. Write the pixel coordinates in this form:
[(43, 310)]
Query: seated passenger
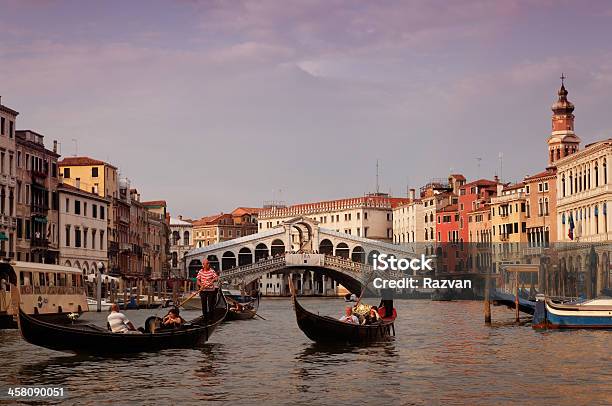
[(349, 317), (372, 317), (172, 319), (118, 322)]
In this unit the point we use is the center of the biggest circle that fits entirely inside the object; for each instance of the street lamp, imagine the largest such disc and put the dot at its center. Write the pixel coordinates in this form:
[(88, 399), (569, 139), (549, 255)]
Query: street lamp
[(100, 266)]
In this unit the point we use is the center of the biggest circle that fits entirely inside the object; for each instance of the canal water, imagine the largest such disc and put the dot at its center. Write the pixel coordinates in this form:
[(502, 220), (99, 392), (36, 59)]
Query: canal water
[(442, 354)]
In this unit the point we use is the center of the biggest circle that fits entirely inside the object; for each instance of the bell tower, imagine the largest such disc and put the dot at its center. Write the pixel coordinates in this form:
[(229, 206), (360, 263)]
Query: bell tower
[(562, 141)]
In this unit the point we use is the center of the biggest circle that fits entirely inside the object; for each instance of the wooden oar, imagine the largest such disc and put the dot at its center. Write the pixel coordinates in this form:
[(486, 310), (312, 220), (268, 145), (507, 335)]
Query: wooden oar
[(189, 298)]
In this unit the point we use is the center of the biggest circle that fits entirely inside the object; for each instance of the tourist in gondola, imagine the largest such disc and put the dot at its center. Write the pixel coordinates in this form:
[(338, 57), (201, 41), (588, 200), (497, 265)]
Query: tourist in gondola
[(349, 317), (172, 319), (118, 322), (207, 280), (372, 317)]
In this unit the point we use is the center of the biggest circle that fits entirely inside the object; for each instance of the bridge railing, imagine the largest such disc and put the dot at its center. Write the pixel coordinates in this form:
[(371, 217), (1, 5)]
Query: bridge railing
[(259, 266)]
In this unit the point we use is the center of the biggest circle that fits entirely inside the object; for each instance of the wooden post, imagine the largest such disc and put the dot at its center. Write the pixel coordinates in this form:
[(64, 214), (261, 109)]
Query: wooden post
[(149, 297), (487, 301), (138, 292), (516, 298), (125, 294)]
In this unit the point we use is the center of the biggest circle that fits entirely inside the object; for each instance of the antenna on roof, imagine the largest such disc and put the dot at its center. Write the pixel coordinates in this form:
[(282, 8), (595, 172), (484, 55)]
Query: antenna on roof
[(501, 166), (478, 159), (76, 147), (377, 184)]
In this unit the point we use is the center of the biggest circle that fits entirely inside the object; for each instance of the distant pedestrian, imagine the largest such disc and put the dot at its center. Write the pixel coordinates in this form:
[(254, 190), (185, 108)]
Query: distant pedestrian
[(207, 283)]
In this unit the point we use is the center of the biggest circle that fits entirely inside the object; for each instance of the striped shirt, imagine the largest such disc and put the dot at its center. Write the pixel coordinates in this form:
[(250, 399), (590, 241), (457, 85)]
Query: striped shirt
[(118, 322), (206, 279)]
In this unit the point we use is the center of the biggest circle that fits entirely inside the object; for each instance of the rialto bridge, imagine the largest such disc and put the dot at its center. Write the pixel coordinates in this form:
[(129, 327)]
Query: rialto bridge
[(297, 245)]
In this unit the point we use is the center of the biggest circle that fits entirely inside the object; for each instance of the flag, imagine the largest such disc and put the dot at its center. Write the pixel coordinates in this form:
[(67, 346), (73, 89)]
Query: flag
[(570, 233)]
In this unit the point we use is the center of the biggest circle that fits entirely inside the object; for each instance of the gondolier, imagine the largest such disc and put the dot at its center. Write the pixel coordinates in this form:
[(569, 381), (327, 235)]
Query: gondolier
[(207, 283)]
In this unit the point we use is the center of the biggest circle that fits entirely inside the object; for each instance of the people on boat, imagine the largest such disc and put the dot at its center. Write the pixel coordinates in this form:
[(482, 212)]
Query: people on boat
[(173, 319), (349, 317), (118, 322), (372, 317), (207, 282)]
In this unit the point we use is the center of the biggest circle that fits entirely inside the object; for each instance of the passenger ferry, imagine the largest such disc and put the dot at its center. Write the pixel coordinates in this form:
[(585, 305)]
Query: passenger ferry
[(39, 289)]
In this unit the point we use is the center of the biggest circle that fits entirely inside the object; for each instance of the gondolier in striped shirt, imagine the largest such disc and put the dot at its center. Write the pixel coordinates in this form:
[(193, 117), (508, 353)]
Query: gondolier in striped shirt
[(207, 283)]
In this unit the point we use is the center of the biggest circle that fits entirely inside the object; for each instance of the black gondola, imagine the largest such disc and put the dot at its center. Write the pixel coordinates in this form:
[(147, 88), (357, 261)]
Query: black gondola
[(325, 329), (249, 309), (88, 338)]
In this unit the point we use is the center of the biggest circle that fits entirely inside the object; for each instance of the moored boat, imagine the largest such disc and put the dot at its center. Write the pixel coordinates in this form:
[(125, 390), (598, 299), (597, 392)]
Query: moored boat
[(80, 337), (589, 314), (241, 310)]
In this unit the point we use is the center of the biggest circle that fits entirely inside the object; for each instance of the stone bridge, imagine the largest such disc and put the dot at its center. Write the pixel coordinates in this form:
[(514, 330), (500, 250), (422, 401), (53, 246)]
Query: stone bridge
[(297, 244)]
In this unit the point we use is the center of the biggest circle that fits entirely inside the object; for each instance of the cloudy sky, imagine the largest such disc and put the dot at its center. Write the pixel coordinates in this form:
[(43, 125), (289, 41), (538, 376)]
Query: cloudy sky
[(211, 105)]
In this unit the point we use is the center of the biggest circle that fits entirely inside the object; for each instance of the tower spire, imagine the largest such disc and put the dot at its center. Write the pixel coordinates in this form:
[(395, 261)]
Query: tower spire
[(562, 141)]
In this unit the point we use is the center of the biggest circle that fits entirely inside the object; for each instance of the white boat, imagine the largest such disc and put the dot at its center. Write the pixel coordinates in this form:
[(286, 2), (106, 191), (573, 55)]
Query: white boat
[(93, 305), (594, 313)]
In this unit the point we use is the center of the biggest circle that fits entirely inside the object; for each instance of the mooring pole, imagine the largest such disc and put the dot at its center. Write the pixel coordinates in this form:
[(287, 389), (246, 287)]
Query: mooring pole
[(516, 298), (487, 300)]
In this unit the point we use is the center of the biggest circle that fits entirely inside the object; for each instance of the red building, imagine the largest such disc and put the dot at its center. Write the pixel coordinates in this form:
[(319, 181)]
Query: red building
[(468, 195)]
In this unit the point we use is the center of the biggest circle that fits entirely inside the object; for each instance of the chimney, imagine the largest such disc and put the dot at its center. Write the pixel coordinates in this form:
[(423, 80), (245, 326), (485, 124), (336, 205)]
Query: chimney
[(55, 146), (411, 194), (77, 183)]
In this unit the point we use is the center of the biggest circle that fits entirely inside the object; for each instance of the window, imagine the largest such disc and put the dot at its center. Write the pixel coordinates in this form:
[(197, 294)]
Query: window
[(85, 209), (94, 210), (93, 239), (67, 236), (94, 172), (85, 230), (101, 212), (19, 228), (28, 230), (54, 170), (101, 239), (77, 207), (67, 208), (77, 237), (2, 125), (67, 173)]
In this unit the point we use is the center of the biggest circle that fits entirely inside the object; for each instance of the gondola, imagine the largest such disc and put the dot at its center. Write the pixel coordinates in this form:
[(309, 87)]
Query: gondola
[(88, 338), (245, 314), (325, 329)]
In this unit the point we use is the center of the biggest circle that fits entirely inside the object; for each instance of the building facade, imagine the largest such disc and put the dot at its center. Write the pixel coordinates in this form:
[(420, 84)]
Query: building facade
[(541, 204), (181, 242), (369, 216), (408, 220), (509, 215), (584, 193), (156, 240), (225, 226), (83, 229), (37, 199), (8, 181)]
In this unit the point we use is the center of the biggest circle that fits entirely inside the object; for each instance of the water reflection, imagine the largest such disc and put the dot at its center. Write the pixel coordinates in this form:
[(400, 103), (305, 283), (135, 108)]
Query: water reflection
[(442, 354)]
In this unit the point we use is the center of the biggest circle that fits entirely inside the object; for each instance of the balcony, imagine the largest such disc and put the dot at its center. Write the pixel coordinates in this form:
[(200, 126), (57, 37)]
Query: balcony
[(39, 209), (41, 174), (39, 243)]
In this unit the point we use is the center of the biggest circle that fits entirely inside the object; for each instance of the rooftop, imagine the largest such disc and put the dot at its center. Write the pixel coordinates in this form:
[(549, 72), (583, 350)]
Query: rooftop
[(82, 161)]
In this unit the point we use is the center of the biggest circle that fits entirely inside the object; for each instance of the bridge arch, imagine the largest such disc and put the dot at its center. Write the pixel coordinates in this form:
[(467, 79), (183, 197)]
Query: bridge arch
[(261, 251), (213, 261), (342, 250), (245, 256), (194, 267), (358, 254), (371, 256), (228, 260), (326, 247), (277, 247)]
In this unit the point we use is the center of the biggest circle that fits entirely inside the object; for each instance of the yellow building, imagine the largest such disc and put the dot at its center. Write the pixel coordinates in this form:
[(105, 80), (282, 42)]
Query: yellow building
[(90, 175), (101, 178), (509, 215)]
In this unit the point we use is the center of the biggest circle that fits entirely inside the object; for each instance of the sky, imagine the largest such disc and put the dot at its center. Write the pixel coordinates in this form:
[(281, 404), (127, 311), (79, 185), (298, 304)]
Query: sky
[(211, 105)]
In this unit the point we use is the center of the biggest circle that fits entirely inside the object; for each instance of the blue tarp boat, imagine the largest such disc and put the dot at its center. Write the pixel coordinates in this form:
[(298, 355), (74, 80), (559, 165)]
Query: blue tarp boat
[(594, 313)]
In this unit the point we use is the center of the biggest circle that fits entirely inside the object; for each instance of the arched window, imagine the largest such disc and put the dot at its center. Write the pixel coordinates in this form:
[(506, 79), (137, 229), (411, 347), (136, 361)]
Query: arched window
[(596, 175), (175, 237), (186, 238), (174, 260), (605, 172), (563, 184), (571, 184)]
